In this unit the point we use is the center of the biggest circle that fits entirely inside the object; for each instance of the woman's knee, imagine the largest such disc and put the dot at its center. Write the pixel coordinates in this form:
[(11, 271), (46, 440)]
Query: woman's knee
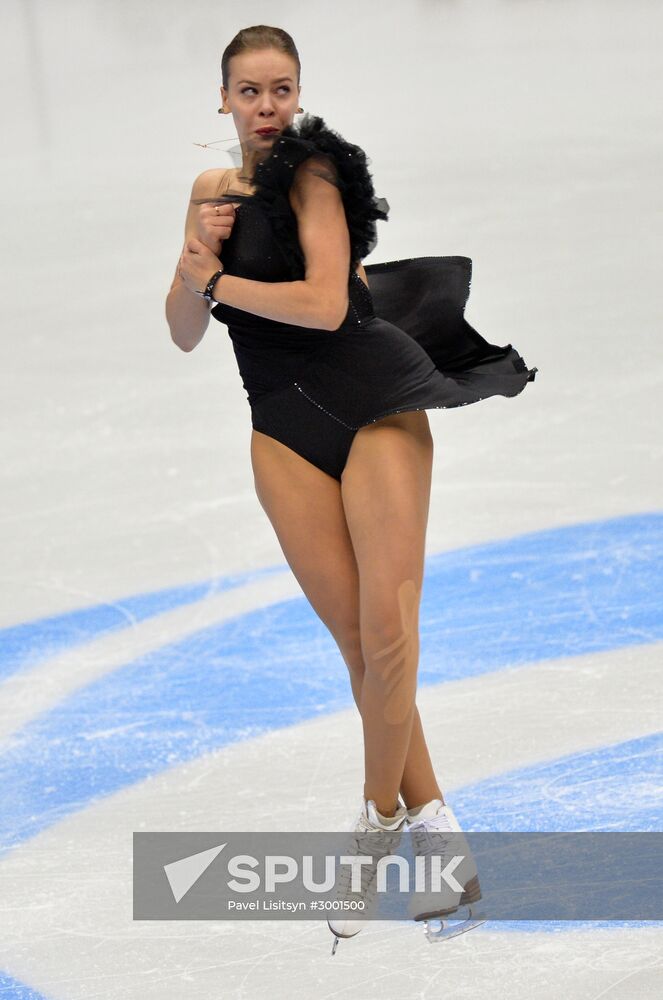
[(390, 645), (390, 676), (390, 609), (390, 625)]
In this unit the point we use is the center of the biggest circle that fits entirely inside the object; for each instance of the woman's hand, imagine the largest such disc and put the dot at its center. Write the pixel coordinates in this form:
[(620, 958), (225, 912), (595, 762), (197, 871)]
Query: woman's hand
[(214, 225), (197, 265)]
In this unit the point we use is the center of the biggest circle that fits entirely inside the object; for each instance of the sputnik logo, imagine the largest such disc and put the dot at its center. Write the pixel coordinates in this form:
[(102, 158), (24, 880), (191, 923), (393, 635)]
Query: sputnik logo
[(184, 873)]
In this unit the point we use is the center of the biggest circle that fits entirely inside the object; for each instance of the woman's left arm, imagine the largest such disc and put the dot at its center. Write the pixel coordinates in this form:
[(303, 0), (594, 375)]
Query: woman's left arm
[(320, 300)]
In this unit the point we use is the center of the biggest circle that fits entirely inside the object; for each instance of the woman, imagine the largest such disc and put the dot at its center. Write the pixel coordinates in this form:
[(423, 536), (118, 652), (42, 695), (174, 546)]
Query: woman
[(341, 448)]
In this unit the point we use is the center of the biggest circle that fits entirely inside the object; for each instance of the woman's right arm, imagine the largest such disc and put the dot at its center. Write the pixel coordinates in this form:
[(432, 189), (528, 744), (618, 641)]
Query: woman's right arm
[(188, 314)]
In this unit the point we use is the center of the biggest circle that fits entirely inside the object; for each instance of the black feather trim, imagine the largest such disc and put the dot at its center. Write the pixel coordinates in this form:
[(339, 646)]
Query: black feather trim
[(274, 174)]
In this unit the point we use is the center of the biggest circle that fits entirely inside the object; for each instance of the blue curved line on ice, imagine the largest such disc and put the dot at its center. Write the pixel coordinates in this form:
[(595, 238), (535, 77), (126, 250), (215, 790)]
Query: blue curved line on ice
[(560, 592), (28, 643), (585, 568), (546, 594), (610, 788), (12, 989), (615, 787)]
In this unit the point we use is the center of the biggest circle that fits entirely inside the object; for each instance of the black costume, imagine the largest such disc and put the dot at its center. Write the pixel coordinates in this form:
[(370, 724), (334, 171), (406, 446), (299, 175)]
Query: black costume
[(403, 345)]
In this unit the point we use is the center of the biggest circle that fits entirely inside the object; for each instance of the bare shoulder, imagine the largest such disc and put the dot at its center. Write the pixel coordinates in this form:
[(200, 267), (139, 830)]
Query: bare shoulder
[(211, 183)]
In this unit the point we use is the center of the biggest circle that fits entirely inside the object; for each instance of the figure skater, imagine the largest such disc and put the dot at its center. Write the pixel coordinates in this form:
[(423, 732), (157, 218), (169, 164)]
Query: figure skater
[(339, 373)]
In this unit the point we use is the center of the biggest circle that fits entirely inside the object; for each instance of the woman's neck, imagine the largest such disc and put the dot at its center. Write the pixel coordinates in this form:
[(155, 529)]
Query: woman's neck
[(250, 160), (241, 179)]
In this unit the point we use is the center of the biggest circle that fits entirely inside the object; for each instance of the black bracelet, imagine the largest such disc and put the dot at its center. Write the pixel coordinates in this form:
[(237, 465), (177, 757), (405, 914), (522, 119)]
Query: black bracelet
[(207, 294)]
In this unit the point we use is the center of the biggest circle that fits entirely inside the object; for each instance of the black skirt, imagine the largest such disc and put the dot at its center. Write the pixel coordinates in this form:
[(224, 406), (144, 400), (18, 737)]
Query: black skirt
[(405, 345)]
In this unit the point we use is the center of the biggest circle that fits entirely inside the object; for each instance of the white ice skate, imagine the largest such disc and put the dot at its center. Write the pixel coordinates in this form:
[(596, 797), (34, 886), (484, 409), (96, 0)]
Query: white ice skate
[(436, 832), (384, 839)]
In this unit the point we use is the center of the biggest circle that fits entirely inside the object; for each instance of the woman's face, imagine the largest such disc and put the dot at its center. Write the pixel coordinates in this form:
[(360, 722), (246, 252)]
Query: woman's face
[(262, 93)]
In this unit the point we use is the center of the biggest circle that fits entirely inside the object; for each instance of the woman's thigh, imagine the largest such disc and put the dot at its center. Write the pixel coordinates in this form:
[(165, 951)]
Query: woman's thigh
[(305, 508), (385, 490)]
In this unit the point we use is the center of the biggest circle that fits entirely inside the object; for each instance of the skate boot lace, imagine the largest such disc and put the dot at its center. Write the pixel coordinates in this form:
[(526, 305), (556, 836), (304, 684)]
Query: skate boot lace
[(428, 835), (378, 844)]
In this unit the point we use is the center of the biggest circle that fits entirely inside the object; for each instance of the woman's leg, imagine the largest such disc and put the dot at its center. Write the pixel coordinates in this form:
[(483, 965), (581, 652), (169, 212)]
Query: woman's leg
[(305, 508), (386, 491)]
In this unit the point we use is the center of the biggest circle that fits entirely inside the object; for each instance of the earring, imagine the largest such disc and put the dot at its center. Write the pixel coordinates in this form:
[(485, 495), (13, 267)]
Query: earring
[(299, 111), (221, 111)]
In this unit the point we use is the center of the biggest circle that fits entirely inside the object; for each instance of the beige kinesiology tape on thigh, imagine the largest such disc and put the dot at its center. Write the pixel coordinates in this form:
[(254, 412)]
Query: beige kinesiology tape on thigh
[(401, 668)]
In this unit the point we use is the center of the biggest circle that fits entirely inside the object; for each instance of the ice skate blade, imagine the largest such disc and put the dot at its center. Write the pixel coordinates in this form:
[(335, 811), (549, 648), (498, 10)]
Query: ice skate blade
[(341, 937), (471, 894), (450, 929)]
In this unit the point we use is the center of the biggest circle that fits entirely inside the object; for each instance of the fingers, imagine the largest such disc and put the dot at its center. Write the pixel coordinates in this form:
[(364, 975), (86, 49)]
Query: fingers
[(225, 214), (215, 210), (216, 225), (196, 246)]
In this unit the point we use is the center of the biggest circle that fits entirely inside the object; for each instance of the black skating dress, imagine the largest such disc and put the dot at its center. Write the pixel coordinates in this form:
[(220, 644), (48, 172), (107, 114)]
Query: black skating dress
[(404, 343)]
